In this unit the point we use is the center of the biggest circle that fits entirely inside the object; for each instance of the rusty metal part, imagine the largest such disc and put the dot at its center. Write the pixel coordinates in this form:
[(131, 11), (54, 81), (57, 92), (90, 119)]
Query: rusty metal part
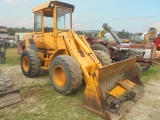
[(9, 97), (128, 85), (122, 92), (21, 47), (114, 104), (118, 51)]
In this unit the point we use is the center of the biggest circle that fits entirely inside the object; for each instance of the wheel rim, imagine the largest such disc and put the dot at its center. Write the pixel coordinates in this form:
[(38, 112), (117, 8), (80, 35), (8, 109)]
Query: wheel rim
[(25, 63), (59, 76)]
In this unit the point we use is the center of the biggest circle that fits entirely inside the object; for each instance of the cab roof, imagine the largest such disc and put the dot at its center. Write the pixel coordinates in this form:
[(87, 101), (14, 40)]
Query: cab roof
[(49, 5)]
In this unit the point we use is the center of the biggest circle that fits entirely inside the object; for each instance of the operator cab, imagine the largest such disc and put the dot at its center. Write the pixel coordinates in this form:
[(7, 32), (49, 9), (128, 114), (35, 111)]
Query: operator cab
[(53, 16)]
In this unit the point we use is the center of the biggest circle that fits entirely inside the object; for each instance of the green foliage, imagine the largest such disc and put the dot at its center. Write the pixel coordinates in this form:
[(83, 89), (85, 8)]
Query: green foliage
[(25, 88), (88, 34), (79, 32), (124, 35), (11, 31)]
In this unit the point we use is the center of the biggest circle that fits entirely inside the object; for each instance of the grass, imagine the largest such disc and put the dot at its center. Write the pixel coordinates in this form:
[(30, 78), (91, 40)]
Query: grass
[(152, 73), (41, 102), (46, 104), (25, 88), (12, 57)]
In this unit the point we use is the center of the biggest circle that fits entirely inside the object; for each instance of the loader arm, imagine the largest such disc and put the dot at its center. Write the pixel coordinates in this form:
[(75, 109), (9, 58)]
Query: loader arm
[(75, 44), (93, 98)]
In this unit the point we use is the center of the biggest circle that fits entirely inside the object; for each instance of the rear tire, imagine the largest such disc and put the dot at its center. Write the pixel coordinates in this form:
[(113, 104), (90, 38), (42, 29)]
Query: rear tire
[(65, 74), (100, 47), (30, 63), (103, 57)]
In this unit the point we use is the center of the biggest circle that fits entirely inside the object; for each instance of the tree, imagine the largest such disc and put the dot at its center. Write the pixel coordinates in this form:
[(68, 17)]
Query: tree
[(124, 35), (79, 32), (11, 31)]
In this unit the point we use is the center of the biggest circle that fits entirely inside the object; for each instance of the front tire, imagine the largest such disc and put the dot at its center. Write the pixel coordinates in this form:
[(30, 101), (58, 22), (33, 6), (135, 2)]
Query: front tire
[(65, 74), (30, 63)]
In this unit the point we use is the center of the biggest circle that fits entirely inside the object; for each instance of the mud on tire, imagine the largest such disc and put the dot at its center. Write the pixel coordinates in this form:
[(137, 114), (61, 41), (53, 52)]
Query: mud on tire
[(65, 74), (103, 57), (30, 63)]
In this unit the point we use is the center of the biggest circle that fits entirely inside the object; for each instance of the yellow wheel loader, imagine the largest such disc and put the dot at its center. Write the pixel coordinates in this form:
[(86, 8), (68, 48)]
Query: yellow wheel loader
[(56, 47)]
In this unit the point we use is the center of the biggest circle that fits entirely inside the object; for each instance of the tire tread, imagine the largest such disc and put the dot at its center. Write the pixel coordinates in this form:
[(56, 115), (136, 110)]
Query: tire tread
[(73, 70)]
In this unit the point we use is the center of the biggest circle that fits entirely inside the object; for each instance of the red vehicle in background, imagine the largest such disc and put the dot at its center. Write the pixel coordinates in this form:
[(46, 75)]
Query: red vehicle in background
[(157, 42), (145, 52)]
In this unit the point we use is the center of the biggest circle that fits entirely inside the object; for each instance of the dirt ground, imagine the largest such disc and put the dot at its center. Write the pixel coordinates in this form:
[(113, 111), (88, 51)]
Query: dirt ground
[(19, 80), (147, 108)]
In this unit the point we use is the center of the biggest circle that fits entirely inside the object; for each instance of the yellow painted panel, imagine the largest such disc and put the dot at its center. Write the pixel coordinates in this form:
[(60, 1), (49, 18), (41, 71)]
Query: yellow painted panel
[(118, 91)]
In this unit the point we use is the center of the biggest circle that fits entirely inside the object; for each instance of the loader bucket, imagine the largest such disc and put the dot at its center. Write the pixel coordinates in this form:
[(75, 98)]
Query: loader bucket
[(108, 78)]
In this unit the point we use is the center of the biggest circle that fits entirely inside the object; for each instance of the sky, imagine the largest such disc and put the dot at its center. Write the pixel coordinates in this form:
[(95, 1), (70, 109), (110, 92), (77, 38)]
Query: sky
[(130, 15)]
